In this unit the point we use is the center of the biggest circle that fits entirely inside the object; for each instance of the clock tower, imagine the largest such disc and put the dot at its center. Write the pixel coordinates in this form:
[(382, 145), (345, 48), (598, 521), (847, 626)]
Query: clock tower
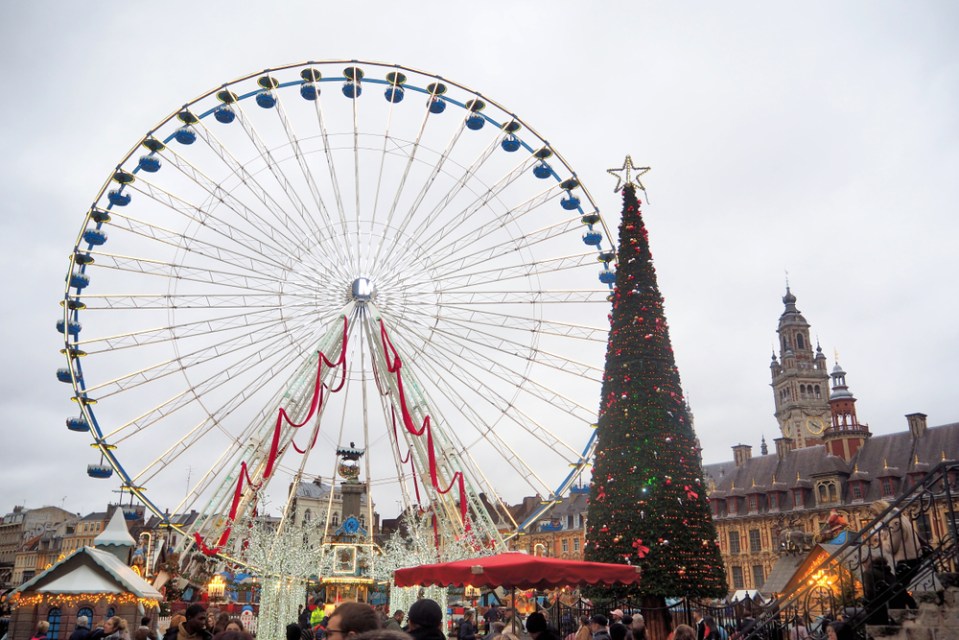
[(800, 380)]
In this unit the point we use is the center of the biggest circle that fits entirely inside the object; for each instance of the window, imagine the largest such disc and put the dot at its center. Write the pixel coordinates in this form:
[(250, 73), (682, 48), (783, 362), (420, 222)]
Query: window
[(818, 392), (753, 503), (797, 498), (88, 612), (307, 516), (734, 544), (856, 489), (565, 545), (800, 343), (732, 506), (111, 611), (335, 520), (758, 576), (53, 617), (575, 544), (738, 582), (755, 541), (774, 501), (888, 486)]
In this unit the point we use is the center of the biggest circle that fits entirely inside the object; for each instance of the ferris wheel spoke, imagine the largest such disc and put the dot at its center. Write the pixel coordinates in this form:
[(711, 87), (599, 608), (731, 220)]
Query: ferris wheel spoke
[(258, 226), (231, 347), (147, 301), (260, 192), (184, 330), (267, 358), (484, 253), (313, 231), (466, 237), (458, 281), (232, 255), (452, 360), (492, 319), (446, 200), (555, 296), (334, 181), (442, 369), (410, 159), (491, 360), (185, 273), (488, 339)]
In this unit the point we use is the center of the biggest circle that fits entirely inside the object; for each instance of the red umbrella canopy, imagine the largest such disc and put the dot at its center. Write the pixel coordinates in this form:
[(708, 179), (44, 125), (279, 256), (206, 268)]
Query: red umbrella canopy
[(517, 570)]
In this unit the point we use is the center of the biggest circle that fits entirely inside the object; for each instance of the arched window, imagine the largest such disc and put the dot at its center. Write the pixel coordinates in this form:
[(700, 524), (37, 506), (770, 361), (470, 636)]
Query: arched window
[(86, 612), (800, 343), (335, 520), (307, 516), (818, 392), (53, 617), (111, 611)]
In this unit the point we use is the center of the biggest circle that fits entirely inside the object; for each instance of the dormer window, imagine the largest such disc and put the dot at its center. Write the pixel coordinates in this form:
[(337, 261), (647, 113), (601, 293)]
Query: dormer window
[(888, 486), (827, 491)]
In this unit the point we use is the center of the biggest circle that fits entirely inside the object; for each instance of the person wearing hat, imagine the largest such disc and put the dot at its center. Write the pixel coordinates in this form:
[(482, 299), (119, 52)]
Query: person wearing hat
[(599, 625), (616, 615), (539, 629), (426, 620)]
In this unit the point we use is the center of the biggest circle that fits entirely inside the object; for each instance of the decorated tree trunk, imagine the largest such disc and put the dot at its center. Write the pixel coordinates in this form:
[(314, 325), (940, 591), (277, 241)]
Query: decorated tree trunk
[(647, 499)]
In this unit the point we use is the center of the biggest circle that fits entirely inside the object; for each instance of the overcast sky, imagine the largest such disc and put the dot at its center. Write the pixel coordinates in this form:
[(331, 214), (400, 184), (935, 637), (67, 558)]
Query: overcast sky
[(820, 138)]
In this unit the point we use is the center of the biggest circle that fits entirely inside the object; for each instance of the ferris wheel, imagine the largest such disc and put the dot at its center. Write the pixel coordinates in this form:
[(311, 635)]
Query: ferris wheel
[(339, 256)]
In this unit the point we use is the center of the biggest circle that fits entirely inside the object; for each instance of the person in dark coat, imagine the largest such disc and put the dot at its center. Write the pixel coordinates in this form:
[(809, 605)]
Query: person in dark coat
[(426, 620), (467, 628), (82, 632), (539, 628)]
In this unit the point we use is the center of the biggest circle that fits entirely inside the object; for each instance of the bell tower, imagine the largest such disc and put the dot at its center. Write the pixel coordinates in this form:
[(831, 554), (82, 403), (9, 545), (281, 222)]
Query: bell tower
[(800, 380)]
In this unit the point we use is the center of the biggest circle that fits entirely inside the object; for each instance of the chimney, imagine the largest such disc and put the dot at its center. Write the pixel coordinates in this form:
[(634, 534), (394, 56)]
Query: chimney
[(742, 453), (917, 424), (783, 446)]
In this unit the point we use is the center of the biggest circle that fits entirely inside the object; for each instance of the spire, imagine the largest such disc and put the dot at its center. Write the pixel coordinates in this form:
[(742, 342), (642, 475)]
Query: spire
[(763, 449)]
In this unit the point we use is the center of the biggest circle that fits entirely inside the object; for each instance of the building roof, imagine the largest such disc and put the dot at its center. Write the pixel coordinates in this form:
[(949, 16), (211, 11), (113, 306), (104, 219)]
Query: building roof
[(89, 570), (893, 454), (115, 533)]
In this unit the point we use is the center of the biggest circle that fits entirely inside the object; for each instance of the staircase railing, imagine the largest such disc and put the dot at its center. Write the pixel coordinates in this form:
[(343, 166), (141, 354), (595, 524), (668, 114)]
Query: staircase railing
[(916, 536)]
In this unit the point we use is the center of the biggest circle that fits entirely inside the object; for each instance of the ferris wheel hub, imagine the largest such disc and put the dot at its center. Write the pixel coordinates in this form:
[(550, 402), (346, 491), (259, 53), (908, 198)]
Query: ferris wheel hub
[(362, 290)]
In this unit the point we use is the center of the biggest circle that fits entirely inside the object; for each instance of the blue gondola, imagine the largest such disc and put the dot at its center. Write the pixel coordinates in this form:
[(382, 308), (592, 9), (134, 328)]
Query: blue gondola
[(606, 256), (150, 163), (590, 218), (83, 258), (185, 135), (394, 94), (73, 327), (437, 105), (352, 89), (309, 91), (63, 375), (266, 99), (99, 470), (475, 122), (77, 423), (593, 238), (542, 171), (118, 198), (510, 143), (570, 202), (224, 113), (607, 277), (95, 237), (79, 280)]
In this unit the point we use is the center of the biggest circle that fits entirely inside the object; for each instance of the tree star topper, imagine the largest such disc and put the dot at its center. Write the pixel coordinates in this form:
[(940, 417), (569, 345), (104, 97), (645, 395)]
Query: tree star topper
[(628, 174)]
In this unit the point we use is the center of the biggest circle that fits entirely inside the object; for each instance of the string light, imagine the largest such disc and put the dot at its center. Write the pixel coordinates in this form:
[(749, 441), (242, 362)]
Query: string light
[(77, 599)]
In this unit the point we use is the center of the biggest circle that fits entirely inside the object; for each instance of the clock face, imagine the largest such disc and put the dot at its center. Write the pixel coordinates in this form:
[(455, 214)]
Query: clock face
[(816, 425)]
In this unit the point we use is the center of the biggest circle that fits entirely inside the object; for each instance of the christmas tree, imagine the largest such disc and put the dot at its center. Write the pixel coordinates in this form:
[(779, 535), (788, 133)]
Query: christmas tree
[(647, 500)]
